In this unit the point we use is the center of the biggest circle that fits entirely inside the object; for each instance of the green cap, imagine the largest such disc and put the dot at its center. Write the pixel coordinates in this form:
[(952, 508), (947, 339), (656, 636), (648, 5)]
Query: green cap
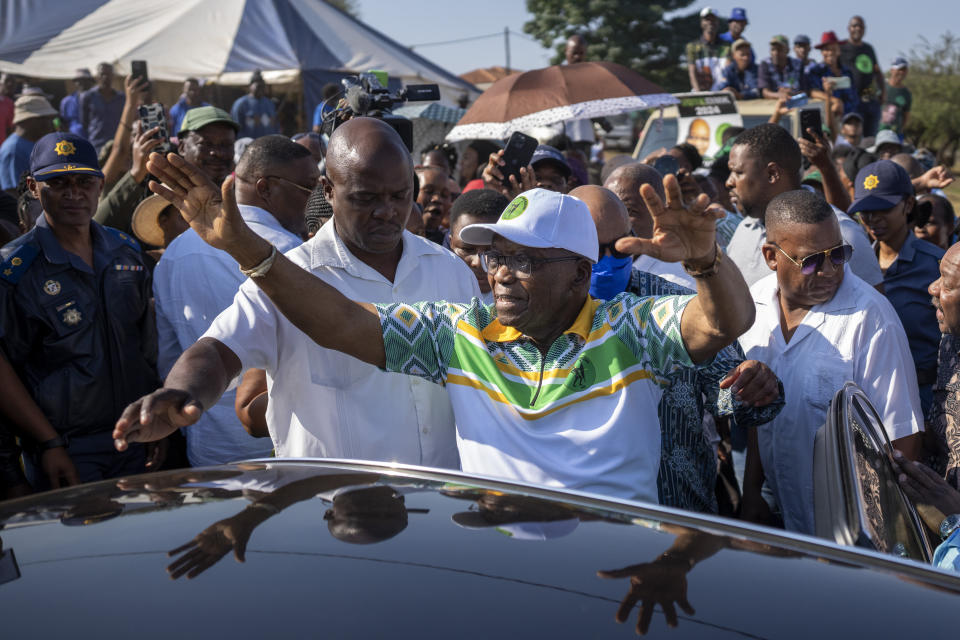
[(202, 116), (813, 176), (780, 40)]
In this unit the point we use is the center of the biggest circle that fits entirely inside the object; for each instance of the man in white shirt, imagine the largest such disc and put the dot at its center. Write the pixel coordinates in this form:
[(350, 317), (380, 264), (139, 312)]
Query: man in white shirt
[(194, 282), (322, 402), (817, 326), (765, 162)]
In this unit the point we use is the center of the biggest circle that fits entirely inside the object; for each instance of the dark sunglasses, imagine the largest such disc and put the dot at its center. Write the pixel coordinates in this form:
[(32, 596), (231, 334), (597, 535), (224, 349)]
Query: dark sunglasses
[(610, 246), (839, 255)]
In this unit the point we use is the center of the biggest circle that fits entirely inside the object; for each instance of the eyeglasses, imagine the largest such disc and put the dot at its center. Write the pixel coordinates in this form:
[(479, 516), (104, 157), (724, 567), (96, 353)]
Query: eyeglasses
[(522, 266), (611, 247), (813, 263), (291, 182)]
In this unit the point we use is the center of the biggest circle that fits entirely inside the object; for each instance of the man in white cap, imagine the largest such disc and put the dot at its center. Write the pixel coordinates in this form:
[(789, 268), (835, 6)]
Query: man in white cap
[(32, 119), (548, 385)]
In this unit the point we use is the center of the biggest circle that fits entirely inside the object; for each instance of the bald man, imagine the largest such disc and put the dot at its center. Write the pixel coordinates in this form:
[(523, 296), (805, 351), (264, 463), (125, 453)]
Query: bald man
[(748, 392), (323, 402)]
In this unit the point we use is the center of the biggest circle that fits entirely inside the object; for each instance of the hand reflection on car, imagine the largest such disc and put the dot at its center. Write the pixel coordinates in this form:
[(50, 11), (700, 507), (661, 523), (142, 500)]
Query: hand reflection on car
[(664, 580), (359, 516)]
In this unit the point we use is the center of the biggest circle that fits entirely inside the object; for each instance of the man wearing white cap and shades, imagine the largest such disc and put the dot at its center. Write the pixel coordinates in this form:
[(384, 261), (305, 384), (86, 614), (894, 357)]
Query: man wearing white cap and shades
[(547, 385), (32, 119)]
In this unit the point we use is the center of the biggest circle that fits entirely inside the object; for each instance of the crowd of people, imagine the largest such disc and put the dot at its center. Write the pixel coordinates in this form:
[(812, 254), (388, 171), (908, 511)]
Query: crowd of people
[(668, 335), (848, 77)]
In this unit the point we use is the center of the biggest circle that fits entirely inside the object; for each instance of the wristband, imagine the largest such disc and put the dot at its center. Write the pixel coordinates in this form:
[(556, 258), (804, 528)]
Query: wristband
[(261, 269), (706, 272)]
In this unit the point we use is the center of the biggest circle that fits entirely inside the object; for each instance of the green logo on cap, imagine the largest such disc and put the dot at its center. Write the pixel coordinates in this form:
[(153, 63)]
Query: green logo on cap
[(515, 208)]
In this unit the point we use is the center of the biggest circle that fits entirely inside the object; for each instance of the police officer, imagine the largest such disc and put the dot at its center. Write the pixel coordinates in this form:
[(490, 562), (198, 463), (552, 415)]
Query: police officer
[(76, 330)]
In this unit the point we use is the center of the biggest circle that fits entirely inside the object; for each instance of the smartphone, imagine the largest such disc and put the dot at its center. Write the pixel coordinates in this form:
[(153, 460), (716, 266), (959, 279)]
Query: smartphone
[(810, 119), (796, 101), (138, 69), (153, 115), (517, 154), (841, 82), (666, 165)]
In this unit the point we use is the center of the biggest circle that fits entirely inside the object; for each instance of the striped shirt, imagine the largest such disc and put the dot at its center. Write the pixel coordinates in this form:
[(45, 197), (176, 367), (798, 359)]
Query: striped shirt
[(582, 417)]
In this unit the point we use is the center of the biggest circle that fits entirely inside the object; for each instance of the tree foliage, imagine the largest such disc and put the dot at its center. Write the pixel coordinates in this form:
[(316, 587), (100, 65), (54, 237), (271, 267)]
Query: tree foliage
[(934, 81), (634, 33)]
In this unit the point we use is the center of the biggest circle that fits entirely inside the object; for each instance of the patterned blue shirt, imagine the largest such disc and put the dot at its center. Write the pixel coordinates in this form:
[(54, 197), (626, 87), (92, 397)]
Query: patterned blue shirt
[(688, 460)]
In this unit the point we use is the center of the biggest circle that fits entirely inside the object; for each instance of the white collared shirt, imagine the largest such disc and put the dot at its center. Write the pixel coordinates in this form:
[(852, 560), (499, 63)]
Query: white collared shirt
[(855, 336), (326, 403), (192, 284)]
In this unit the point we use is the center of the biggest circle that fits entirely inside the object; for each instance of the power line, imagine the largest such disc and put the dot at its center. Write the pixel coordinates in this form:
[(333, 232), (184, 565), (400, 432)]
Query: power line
[(471, 38), (433, 44)]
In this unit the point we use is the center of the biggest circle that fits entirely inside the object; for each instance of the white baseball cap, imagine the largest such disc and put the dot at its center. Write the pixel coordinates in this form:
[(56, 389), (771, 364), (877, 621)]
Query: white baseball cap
[(542, 219)]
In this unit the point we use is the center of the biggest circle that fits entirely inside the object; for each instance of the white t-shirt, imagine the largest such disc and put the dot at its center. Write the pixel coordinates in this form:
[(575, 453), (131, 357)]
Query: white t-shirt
[(328, 404), (192, 284), (856, 336)]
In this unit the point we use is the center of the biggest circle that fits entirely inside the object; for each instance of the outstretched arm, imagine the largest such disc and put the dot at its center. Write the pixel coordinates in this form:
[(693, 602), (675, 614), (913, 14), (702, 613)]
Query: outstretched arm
[(332, 320)]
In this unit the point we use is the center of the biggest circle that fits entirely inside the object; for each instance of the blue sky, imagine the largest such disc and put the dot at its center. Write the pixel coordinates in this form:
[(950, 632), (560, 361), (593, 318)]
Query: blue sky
[(892, 27)]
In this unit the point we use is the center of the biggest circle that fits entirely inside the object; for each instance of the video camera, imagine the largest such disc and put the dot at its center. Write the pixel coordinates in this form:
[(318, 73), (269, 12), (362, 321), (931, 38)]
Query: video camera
[(367, 95)]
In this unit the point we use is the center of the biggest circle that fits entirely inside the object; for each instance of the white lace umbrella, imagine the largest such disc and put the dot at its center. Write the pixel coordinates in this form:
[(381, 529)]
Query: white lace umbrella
[(555, 94)]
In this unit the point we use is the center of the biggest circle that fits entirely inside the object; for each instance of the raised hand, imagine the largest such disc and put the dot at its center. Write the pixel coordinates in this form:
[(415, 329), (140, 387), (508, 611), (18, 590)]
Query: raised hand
[(210, 211), (681, 232)]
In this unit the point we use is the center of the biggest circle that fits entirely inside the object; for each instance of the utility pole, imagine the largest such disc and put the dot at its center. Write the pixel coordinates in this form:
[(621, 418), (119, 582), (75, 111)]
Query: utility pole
[(506, 45)]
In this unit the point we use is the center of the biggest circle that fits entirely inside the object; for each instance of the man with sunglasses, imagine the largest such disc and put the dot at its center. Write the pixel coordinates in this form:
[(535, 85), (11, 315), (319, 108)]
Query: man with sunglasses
[(548, 386), (729, 386), (193, 282), (817, 326)]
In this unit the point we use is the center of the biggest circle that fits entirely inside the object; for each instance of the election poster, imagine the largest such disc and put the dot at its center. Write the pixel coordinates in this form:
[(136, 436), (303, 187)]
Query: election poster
[(703, 119)]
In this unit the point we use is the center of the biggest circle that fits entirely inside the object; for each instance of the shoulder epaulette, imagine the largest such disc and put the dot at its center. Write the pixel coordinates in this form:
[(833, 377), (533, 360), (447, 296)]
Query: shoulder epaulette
[(17, 263), (124, 237)]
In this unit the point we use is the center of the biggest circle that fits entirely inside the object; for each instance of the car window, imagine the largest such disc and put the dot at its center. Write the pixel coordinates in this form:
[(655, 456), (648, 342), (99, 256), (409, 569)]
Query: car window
[(885, 513), (662, 133)]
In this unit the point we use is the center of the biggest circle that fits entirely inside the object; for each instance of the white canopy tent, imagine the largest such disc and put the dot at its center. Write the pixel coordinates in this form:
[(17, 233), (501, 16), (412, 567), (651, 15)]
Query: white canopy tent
[(220, 40)]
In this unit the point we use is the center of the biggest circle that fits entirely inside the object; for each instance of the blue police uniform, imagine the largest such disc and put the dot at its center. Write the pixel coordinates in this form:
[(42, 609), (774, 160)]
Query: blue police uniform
[(82, 339), (905, 284), (880, 186)]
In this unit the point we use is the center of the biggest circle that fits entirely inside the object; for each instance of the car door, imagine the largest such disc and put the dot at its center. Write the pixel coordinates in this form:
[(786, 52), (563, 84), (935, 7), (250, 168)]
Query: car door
[(857, 500)]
